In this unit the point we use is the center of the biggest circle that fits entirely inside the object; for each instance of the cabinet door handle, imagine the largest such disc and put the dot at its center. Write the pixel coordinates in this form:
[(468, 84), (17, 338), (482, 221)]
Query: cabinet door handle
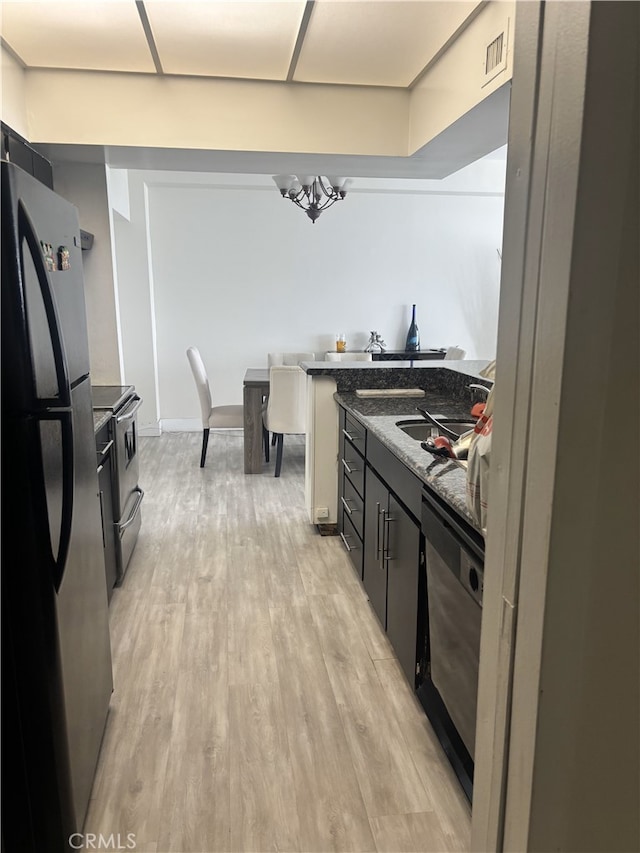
[(385, 546), (383, 513), (346, 505), (346, 544), (349, 436), (377, 530)]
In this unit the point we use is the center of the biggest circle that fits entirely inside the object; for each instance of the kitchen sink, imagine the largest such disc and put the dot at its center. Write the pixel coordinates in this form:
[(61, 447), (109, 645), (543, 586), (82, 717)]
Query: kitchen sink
[(421, 429)]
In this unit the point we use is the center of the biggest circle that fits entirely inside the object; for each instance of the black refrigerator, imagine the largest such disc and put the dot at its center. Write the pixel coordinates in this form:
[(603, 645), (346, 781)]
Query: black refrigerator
[(56, 652)]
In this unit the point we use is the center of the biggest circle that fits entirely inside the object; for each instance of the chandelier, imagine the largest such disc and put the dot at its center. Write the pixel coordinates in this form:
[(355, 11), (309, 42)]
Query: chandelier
[(310, 193)]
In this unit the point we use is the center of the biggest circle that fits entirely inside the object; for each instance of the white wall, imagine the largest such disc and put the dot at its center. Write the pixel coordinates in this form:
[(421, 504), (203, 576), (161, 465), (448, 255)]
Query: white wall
[(175, 111), (457, 83), (12, 100), (223, 263), (85, 186)]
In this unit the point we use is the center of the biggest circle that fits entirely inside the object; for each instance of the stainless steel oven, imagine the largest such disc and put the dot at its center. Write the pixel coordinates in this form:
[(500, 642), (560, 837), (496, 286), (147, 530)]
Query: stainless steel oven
[(128, 494), (123, 403)]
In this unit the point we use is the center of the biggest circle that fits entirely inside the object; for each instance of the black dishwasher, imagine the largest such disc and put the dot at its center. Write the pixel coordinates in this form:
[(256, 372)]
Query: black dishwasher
[(454, 583)]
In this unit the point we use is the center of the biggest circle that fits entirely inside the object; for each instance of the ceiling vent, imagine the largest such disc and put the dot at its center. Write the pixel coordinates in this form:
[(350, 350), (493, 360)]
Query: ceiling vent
[(495, 58), (494, 54)]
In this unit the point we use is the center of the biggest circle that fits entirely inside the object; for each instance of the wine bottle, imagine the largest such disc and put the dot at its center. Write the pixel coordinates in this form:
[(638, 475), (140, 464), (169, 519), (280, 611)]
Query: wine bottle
[(413, 335)]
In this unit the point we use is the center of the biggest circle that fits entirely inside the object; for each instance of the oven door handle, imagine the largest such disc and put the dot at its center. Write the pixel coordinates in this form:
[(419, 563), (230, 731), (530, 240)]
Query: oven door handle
[(127, 415), (132, 516)]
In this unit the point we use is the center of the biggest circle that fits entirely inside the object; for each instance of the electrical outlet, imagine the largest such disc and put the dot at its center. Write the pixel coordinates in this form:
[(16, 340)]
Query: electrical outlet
[(322, 512)]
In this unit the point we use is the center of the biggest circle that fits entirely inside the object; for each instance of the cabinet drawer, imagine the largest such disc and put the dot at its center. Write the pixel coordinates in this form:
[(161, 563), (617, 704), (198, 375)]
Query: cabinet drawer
[(353, 544), (352, 465), (352, 506), (402, 481), (355, 433)]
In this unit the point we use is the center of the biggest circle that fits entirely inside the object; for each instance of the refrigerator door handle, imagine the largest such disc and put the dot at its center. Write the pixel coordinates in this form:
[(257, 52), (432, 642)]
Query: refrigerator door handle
[(27, 232), (66, 516)]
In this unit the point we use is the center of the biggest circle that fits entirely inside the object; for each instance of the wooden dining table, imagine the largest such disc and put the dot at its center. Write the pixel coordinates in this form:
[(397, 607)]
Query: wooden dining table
[(255, 389)]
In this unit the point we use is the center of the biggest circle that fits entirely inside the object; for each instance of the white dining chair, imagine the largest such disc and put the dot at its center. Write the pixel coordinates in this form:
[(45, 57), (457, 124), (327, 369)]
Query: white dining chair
[(348, 356), (455, 353), (222, 417), (285, 412), (278, 358)]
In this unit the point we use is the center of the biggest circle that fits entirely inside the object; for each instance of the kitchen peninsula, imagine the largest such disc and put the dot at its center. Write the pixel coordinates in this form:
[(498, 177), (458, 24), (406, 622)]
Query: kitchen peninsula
[(445, 384)]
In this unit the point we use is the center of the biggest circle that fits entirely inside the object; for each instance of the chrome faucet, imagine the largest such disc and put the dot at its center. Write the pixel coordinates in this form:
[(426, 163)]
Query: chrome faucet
[(473, 387)]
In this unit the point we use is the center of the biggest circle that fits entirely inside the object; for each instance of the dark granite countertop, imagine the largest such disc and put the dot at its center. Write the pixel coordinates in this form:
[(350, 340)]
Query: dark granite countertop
[(446, 387), (395, 374), (380, 415)]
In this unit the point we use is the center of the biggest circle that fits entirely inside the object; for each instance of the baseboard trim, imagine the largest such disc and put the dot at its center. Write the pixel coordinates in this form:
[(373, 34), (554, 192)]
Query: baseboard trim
[(187, 425)]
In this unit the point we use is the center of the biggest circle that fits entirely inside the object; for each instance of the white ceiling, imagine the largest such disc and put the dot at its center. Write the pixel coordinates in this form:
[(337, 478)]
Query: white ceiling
[(337, 42), (357, 42)]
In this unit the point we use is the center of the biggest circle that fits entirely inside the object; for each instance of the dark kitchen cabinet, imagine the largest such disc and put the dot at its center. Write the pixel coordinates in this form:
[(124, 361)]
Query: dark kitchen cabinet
[(374, 575), (352, 448), (391, 569), (379, 506), (105, 461), (17, 150)]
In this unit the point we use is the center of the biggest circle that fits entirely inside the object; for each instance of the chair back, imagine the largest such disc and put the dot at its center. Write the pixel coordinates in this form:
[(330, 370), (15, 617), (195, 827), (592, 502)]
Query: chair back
[(202, 383), (293, 358), (348, 356), (287, 404), (455, 353)]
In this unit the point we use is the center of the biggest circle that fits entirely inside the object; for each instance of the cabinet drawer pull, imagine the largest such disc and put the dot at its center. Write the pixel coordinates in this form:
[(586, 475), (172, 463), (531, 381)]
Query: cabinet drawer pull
[(347, 468), (383, 513), (346, 544), (352, 438), (106, 448), (346, 505)]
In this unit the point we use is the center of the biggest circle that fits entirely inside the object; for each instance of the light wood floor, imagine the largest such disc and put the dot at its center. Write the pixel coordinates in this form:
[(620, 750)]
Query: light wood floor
[(258, 705)]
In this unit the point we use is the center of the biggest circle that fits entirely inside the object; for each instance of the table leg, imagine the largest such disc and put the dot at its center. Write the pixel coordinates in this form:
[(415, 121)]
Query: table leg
[(252, 430)]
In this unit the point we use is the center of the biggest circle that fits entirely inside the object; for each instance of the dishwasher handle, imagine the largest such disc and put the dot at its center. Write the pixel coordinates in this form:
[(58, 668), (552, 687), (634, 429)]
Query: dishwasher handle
[(448, 518)]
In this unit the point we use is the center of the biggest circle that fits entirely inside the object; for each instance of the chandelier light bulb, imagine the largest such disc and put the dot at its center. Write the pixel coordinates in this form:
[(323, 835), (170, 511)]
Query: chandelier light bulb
[(336, 183), (284, 183)]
